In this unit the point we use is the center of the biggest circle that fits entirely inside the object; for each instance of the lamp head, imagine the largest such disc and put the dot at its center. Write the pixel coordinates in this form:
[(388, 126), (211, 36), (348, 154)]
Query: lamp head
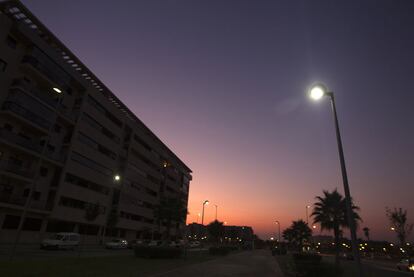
[(317, 91), (117, 178), (206, 202), (57, 90)]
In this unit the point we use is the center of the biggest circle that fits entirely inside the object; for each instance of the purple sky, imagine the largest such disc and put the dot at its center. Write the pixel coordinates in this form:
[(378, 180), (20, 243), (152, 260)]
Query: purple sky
[(223, 84)]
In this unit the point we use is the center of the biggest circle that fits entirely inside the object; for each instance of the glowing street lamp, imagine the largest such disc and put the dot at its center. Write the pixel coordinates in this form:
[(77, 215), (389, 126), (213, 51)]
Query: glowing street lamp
[(202, 214), (316, 92), (392, 228), (57, 90), (117, 178)]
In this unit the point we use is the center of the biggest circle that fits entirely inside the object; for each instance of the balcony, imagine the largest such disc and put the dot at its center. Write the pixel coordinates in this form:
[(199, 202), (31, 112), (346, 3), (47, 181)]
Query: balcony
[(51, 99), (9, 198), (45, 98), (17, 169), (11, 137), (58, 157), (24, 112), (47, 68)]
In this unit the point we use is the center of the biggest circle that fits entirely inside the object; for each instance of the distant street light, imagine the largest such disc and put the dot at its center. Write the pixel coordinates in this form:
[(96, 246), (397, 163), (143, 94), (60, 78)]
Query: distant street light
[(202, 214), (216, 211), (117, 178), (392, 228), (316, 92)]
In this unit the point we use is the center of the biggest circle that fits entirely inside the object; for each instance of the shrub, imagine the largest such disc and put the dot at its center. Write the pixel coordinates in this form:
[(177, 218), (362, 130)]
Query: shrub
[(279, 251), (220, 250), (158, 252)]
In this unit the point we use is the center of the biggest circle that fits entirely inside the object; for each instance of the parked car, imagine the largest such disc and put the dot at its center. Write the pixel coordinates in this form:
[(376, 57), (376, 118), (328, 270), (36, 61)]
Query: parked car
[(116, 244), (194, 244), (135, 242), (61, 241), (406, 264), (154, 243)]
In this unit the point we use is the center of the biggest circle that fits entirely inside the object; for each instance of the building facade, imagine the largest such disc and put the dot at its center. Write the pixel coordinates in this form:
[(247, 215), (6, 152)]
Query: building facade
[(73, 157)]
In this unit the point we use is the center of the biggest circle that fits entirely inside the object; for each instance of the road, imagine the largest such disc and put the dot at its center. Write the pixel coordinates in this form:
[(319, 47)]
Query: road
[(371, 268), (245, 264), (33, 252)]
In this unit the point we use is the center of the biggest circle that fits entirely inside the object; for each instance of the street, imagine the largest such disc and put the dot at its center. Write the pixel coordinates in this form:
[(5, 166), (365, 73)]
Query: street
[(33, 252), (248, 263)]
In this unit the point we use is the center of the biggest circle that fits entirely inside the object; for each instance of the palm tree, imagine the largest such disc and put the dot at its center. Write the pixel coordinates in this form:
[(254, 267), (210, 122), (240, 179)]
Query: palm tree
[(216, 230), (330, 212), (399, 220), (297, 233), (169, 211), (366, 232)]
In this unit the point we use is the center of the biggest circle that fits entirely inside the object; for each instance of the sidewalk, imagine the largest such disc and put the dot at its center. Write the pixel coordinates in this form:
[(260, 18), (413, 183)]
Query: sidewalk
[(249, 263)]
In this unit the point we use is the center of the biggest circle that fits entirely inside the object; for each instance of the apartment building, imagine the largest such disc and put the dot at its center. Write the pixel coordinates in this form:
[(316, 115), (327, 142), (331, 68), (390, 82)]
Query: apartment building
[(73, 157)]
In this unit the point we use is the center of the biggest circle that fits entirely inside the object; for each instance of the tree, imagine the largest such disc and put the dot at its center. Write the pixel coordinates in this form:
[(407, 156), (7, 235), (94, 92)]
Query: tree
[(398, 219), (297, 233), (366, 232), (169, 211), (216, 230), (330, 212)]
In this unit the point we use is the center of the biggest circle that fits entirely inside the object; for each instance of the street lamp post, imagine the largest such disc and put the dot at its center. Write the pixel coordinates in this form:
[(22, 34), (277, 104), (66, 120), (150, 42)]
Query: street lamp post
[(216, 211), (317, 91), (278, 242), (307, 214), (202, 214)]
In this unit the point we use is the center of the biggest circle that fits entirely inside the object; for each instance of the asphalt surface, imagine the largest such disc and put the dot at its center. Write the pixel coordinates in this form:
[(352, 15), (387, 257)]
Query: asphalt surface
[(257, 263), (33, 252)]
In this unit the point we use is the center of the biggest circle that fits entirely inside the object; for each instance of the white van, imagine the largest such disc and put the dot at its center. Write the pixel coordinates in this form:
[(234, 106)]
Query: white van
[(61, 241)]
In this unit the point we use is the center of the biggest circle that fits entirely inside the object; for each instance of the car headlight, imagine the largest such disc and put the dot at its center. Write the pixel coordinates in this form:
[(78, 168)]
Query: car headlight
[(411, 267)]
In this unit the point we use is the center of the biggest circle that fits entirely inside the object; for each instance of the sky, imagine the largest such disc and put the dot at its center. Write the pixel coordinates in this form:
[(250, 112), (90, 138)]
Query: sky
[(223, 84)]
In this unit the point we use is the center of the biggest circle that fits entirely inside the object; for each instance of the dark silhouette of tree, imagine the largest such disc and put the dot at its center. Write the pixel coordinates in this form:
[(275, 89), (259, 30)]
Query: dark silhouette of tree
[(169, 211), (398, 219), (297, 233), (330, 212), (216, 230), (366, 232)]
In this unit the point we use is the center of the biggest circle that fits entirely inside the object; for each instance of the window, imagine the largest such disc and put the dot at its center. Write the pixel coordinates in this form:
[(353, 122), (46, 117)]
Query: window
[(32, 224), (11, 42), (43, 171), (91, 164), (11, 221), (76, 204), (70, 178), (104, 111), (3, 65), (92, 143), (93, 123)]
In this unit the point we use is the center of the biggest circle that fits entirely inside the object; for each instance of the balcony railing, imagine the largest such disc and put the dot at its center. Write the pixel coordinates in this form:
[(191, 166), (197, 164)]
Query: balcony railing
[(21, 201), (48, 99), (51, 72), (16, 139), (17, 169), (27, 114)]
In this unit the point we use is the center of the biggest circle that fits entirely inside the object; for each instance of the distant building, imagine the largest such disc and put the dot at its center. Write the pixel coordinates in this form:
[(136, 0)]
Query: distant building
[(86, 162), (197, 231), (322, 239)]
